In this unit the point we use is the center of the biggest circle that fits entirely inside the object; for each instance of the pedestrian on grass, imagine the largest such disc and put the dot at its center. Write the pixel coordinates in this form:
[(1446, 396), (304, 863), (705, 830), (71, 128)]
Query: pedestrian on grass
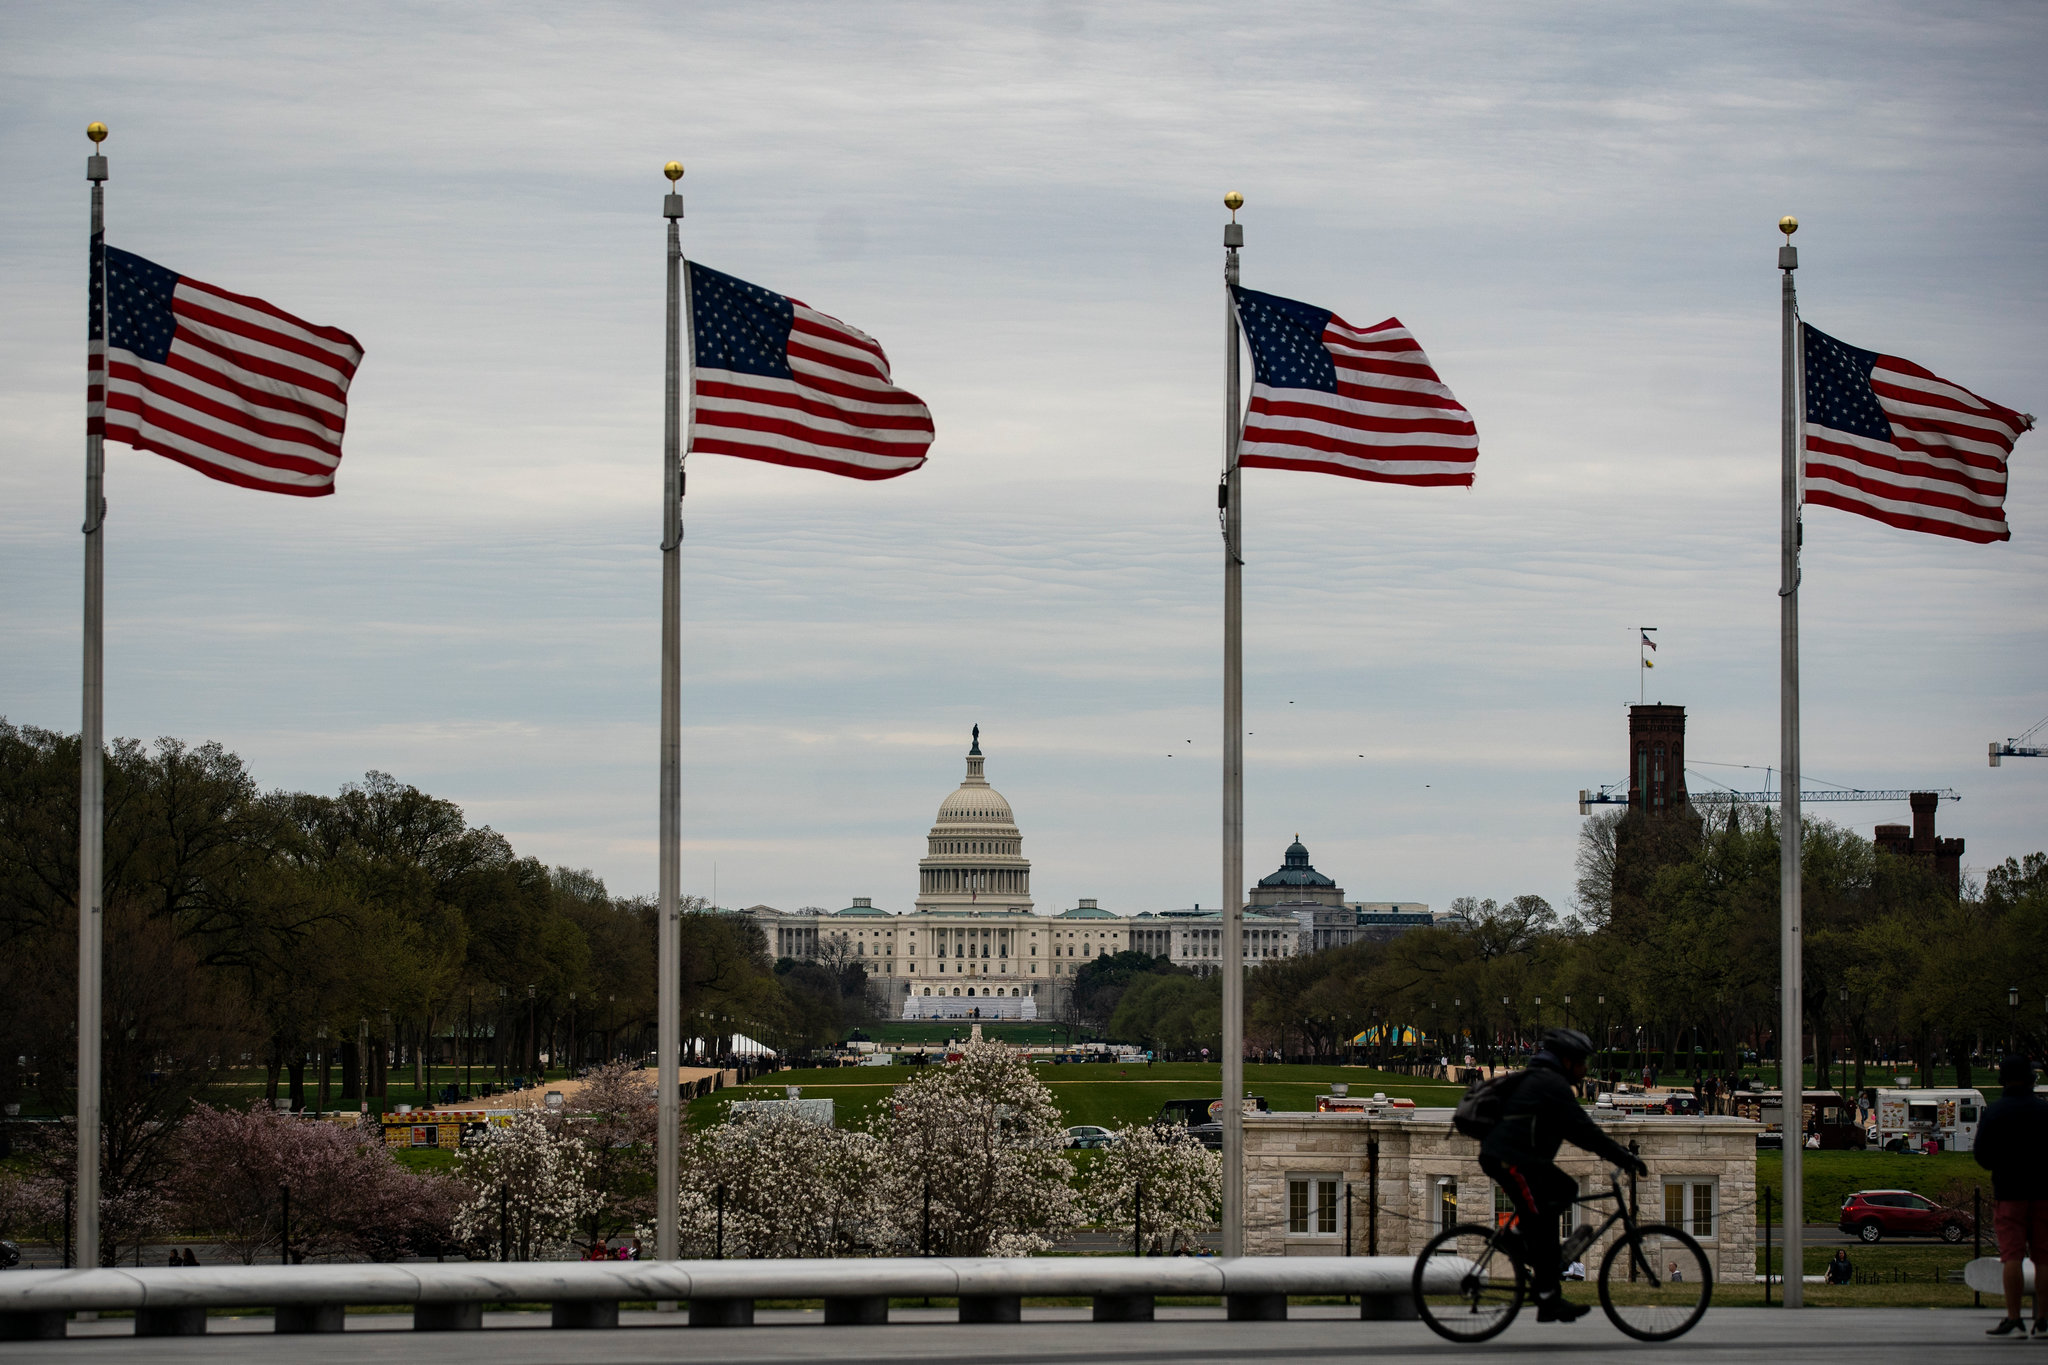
[(2012, 1143), (1839, 1270)]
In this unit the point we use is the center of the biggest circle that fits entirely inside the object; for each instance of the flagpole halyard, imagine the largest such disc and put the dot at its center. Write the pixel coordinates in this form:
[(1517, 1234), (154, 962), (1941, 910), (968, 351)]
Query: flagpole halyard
[(92, 792), (668, 1028), (1791, 1049), (1233, 759)]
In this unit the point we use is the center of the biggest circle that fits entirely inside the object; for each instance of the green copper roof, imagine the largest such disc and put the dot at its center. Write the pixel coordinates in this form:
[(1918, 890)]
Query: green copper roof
[(1296, 870)]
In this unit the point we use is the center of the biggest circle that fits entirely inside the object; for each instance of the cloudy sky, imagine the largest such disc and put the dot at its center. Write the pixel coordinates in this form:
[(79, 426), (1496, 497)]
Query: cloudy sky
[(1572, 206)]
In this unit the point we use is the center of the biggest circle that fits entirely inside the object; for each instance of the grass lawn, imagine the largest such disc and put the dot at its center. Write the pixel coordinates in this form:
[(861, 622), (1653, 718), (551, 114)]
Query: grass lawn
[(1832, 1175), (1106, 1093), (432, 1159)]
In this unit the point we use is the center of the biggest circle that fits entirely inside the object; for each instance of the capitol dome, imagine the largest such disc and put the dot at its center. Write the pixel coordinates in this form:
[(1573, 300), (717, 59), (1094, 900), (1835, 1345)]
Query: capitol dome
[(974, 857)]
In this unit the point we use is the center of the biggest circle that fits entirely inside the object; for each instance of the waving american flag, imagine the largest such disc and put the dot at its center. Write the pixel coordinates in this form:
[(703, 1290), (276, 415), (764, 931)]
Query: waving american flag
[(779, 381), (1362, 402), (1890, 440), (234, 387)]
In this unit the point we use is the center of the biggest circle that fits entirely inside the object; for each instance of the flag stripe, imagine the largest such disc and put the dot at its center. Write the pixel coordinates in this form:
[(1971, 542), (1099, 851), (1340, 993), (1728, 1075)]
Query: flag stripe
[(1359, 402), (226, 384), (1891, 440), (818, 395)]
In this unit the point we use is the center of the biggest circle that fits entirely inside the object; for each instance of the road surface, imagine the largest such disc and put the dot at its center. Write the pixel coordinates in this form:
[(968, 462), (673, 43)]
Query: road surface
[(1052, 1335)]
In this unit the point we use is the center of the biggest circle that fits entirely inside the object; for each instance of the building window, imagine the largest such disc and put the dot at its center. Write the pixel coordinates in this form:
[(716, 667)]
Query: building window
[(1312, 1205), (1690, 1204), (1444, 1207)]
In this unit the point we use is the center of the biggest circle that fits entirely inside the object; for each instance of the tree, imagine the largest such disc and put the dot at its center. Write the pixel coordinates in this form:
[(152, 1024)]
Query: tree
[(528, 1189), (615, 1122), (983, 1141), (1099, 986), (348, 1197), (1182, 1184), (778, 1184), (1171, 1013)]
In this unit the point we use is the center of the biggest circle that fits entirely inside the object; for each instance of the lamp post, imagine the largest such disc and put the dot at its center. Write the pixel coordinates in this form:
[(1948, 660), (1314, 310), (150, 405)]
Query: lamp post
[(1507, 1021), (321, 1034), (532, 1038), (383, 1062), (2012, 1005), (468, 1038), (573, 1058)]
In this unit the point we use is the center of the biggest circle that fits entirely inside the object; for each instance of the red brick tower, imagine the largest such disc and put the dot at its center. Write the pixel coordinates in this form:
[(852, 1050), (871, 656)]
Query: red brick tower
[(1656, 768), (1946, 855)]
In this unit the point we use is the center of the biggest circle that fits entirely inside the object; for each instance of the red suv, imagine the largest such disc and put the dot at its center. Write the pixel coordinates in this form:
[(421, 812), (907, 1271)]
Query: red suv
[(1876, 1214)]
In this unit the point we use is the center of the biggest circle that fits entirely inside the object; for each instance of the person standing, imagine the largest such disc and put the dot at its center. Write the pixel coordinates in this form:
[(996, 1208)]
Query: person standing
[(2012, 1143)]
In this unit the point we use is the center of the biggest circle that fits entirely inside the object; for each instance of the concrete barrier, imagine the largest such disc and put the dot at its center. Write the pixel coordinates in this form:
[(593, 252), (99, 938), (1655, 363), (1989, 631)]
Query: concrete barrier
[(1985, 1275), (450, 1297)]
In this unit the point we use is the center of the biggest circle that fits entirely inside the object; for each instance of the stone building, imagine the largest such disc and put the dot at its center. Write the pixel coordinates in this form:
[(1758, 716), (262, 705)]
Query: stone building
[(1299, 1165), (1945, 856), (974, 945)]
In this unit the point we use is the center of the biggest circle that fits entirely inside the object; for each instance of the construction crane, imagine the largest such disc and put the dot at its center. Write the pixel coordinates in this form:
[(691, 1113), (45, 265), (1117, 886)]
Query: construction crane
[(2018, 747), (1616, 794)]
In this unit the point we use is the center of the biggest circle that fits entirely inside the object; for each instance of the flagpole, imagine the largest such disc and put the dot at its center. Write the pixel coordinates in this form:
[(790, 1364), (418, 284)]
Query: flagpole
[(92, 791), (1791, 1049), (1233, 761), (668, 1104)]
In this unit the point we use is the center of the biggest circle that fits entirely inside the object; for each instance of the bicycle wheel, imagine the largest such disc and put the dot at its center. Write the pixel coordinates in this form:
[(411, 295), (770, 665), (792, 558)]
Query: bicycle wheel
[(1655, 1282), (1487, 1293)]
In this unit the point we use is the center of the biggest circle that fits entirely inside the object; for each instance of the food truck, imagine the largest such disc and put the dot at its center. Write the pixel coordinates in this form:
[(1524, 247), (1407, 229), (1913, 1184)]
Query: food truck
[(1914, 1118), (1828, 1114)]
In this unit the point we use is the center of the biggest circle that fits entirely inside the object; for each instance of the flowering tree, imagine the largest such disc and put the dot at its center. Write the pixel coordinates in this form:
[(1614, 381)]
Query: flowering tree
[(1182, 1182), (527, 1188), (981, 1139), (348, 1196), (615, 1123), (781, 1185)]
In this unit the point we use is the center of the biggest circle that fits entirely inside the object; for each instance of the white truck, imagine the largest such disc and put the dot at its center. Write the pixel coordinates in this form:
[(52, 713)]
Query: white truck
[(1916, 1117)]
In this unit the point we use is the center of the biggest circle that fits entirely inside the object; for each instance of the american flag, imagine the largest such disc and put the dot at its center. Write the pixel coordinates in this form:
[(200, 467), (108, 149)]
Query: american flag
[(1358, 401), (238, 389), (779, 381), (1889, 440)]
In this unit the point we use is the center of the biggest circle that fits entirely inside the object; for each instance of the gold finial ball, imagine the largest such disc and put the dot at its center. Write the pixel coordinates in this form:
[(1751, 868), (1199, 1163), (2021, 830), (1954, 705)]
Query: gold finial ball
[(97, 132), (674, 171), (1233, 201), (1788, 225)]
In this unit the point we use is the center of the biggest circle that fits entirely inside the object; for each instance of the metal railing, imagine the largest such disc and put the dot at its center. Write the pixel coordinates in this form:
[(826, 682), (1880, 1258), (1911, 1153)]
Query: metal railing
[(313, 1298)]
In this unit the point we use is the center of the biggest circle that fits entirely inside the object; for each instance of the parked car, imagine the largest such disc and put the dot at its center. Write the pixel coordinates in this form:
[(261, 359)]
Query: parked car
[(1088, 1135), (10, 1255), (1876, 1214)]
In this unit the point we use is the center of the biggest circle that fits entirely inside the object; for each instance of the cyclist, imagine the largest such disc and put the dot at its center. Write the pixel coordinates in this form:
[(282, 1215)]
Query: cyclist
[(1520, 1153)]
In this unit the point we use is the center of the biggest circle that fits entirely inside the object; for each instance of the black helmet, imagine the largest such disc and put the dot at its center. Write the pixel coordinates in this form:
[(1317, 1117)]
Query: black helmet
[(1568, 1044)]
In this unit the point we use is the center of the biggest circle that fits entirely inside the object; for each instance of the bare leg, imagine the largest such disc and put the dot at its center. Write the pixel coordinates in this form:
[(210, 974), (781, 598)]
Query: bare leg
[(2015, 1273)]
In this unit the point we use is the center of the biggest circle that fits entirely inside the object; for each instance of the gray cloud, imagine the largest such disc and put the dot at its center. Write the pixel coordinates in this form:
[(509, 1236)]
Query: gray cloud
[(1572, 208)]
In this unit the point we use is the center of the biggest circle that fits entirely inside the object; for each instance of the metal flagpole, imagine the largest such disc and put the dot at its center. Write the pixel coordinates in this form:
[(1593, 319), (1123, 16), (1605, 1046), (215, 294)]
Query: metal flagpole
[(92, 790), (1791, 1051), (1233, 761), (668, 1105)]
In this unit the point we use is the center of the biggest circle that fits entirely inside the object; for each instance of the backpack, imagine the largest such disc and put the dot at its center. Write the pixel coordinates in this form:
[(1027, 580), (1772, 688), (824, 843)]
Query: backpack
[(1479, 1111)]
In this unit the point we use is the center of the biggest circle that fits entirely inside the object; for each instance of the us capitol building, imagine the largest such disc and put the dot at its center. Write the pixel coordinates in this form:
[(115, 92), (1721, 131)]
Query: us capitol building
[(974, 947)]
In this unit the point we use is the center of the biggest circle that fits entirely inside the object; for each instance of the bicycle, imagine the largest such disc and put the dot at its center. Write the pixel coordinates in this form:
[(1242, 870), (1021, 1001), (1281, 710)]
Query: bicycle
[(1656, 1291)]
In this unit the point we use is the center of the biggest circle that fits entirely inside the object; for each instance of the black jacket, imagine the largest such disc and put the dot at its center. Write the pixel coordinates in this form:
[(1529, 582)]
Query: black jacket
[(1541, 1115), (2012, 1144)]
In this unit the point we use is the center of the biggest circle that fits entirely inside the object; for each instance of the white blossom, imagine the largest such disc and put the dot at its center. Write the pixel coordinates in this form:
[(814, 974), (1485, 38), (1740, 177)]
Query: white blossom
[(535, 1171), (780, 1185), (1182, 1182), (982, 1140)]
